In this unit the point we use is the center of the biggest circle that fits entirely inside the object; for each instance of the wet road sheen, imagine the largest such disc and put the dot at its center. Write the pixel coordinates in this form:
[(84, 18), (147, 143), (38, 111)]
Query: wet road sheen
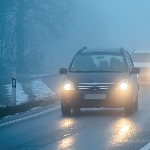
[(103, 129)]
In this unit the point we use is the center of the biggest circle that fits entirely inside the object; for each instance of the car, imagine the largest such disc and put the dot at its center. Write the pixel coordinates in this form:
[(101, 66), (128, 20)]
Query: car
[(102, 77), (141, 59)]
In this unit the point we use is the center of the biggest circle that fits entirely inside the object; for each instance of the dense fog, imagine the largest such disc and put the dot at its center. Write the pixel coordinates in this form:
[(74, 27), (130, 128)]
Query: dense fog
[(56, 29), (102, 23)]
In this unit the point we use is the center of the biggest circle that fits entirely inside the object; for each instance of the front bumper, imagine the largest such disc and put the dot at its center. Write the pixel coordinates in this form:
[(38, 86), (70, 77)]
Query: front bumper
[(114, 98)]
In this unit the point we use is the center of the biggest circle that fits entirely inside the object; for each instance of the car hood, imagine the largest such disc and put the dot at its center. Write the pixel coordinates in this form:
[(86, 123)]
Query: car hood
[(102, 77)]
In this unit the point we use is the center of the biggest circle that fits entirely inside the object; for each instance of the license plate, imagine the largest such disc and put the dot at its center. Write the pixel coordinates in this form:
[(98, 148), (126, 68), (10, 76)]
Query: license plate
[(94, 96)]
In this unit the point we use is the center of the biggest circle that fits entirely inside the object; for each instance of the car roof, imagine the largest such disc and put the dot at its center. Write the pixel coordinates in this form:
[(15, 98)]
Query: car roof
[(105, 50)]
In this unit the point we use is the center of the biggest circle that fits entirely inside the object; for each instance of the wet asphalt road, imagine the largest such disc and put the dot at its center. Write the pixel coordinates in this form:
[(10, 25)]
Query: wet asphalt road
[(91, 129)]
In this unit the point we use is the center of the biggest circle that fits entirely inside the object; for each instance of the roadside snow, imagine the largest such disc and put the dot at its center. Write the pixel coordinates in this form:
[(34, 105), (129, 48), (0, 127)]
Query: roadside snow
[(38, 88), (21, 97), (41, 90), (35, 108)]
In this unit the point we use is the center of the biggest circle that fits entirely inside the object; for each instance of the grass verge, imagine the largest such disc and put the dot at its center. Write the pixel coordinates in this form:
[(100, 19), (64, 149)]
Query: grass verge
[(9, 110)]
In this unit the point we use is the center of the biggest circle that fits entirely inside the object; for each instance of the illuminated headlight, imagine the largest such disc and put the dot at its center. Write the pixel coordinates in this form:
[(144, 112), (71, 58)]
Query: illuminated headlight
[(68, 85), (123, 85)]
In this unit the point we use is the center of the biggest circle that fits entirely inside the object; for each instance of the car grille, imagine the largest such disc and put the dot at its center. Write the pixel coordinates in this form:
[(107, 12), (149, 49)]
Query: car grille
[(95, 86)]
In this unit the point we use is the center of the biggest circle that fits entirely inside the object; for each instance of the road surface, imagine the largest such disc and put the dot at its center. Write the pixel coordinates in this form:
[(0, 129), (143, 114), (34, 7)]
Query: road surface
[(90, 129)]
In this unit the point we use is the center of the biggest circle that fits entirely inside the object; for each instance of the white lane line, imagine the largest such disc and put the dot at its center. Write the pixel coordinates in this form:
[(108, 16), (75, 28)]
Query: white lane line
[(146, 147), (31, 116)]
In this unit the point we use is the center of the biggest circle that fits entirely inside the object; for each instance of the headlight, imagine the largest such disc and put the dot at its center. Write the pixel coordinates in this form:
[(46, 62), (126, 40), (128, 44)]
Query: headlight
[(68, 85), (123, 85)]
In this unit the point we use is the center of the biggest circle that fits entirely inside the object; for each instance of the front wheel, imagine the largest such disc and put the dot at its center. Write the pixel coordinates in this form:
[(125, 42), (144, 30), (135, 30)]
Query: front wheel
[(128, 108), (65, 108)]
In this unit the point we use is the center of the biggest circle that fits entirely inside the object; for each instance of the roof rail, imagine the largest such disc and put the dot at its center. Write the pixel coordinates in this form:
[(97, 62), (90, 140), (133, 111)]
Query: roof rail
[(83, 48), (121, 50)]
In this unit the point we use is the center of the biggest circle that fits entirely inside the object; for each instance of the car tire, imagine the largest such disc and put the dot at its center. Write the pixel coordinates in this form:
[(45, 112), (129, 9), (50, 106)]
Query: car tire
[(128, 108), (136, 104), (65, 109)]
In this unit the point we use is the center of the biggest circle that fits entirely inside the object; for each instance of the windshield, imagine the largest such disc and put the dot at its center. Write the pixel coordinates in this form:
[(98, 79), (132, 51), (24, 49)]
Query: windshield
[(98, 62)]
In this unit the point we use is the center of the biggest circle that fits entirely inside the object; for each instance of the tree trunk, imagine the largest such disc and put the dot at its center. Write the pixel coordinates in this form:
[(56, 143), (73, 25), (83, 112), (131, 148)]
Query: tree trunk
[(20, 32)]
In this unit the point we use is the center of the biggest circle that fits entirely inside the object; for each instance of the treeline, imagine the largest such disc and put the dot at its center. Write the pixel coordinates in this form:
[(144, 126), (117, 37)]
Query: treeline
[(25, 25)]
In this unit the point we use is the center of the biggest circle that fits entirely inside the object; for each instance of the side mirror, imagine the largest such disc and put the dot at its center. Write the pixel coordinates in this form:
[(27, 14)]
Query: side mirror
[(135, 70), (63, 71)]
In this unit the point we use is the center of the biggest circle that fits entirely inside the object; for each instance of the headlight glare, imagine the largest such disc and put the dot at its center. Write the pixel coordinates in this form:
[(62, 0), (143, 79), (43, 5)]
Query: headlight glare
[(123, 84), (68, 85)]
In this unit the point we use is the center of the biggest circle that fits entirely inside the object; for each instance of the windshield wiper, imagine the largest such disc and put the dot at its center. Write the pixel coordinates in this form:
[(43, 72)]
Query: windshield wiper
[(81, 71), (75, 71), (108, 71)]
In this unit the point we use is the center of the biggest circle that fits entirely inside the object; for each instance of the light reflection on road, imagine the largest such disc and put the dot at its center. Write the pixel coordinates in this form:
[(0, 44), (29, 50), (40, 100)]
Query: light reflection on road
[(122, 130), (65, 143), (66, 123)]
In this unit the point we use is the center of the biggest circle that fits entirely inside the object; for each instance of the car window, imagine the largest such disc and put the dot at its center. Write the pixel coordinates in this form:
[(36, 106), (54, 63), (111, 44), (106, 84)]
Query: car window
[(98, 62)]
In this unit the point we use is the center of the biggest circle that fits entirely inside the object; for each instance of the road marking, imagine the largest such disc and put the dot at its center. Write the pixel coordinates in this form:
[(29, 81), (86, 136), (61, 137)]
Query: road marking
[(146, 147), (31, 116)]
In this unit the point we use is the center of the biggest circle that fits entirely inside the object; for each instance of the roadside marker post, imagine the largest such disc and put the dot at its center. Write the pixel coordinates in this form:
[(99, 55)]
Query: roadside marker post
[(13, 97)]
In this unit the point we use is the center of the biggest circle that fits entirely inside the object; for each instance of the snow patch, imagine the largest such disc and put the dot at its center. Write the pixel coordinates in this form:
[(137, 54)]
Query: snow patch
[(35, 108), (41, 90), (21, 97), (10, 116), (38, 88)]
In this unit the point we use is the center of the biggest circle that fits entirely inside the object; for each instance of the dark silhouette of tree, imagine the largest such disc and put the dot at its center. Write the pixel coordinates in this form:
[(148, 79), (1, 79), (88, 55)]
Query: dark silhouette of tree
[(30, 23)]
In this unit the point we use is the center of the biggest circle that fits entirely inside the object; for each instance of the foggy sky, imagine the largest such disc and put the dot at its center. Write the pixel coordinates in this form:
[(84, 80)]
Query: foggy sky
[(104, 23)]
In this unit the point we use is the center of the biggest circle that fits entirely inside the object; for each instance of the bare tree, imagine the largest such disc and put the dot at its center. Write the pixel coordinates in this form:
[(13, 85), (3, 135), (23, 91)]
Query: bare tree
[(31, 22)]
